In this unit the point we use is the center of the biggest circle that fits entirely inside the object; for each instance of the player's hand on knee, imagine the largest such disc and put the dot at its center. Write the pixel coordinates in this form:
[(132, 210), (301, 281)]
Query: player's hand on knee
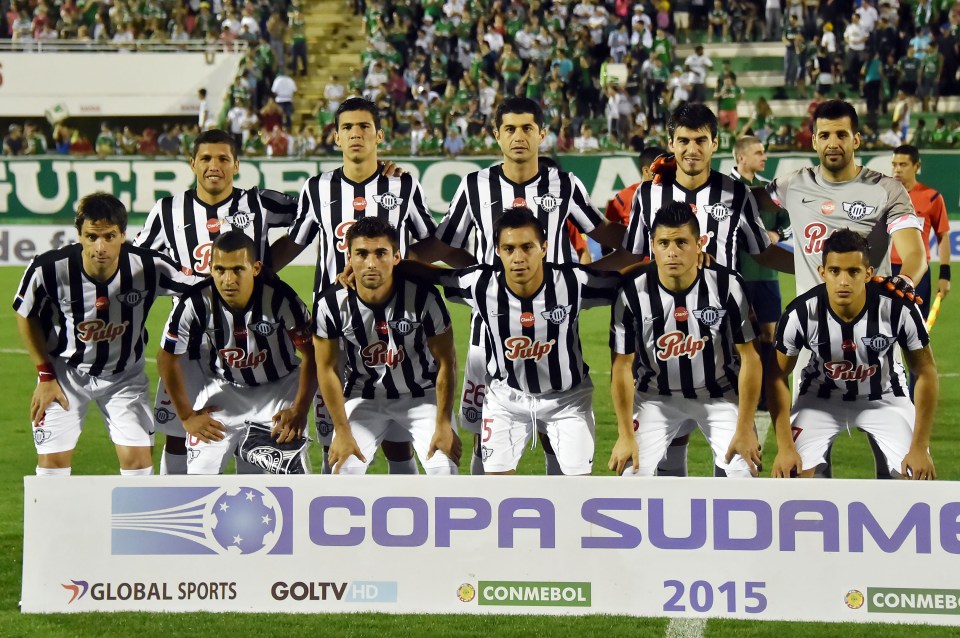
[(204, 427), (342, 448), (288, 425), (787, 464), (625, 450), (918, 466), (46, 393), (748, 447), (446, 440)]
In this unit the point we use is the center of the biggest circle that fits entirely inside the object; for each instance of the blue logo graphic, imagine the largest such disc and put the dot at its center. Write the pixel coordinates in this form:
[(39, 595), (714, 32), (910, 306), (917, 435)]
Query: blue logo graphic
[(202, 520), (77, 588)]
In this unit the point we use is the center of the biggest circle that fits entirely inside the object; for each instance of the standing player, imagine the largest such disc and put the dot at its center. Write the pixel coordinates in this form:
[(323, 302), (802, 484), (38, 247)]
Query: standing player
[(519, 182), (184, 227), (530, 311), (253, 325), (330, 203), (852, 326), (761, 283), (94, 296), (399, 354), (690, 331)]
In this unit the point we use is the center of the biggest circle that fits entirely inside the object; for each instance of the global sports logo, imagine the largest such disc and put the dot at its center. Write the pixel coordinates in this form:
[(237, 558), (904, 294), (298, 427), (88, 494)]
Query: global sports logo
[(201, 520), (77, 588)]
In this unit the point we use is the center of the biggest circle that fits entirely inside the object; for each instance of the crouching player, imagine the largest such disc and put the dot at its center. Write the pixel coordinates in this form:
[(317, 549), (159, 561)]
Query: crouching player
[(81, 312), (696, 359), (254, 325), (854, 328), (399, 359)]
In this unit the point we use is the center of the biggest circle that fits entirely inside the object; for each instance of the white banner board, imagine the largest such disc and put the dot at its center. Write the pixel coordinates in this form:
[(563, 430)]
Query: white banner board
[(844, 551)]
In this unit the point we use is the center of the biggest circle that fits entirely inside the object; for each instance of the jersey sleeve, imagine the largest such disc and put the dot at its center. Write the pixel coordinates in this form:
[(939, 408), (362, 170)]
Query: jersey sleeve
[(635, 240), (172, 278), (912, 332), (307, 223), (31, 293), (582, 211), (419, 219), (738, 312), (296, 318), (789, 337), (327, 323), (623, 326), (182, 326), (280, 210), (454, 229), (152, 235), (435, 318), (900, 211), (754, 233), (597, 288)]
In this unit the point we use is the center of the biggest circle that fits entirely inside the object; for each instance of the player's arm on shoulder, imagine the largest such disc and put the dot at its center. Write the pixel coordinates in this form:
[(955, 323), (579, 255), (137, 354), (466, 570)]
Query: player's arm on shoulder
[(609, 234), (918, 463), (445, 436), (431, 250), (331, 389), (281, 209), (625, 450), (48, 388), (776, 257), (284, 250), (913, 254), (745, 442)]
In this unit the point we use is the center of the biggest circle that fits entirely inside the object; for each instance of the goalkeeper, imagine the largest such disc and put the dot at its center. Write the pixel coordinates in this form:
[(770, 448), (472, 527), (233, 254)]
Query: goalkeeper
[(254, 325)]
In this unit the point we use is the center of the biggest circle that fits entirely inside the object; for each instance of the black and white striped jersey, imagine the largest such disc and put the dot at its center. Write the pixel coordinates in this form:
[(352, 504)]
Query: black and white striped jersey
[(553, 195), (855, 360), (330, 204), (246, 347), (184, 228), (97, 327), (385, 346), (725, 207), (685, 342), (535, 341)]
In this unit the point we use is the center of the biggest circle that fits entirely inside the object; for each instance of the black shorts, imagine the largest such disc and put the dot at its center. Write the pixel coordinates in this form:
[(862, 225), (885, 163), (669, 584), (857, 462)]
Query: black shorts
[(764, 297)]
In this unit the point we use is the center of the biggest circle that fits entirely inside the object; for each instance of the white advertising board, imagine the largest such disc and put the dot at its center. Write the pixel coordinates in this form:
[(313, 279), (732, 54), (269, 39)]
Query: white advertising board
[(850, 551)]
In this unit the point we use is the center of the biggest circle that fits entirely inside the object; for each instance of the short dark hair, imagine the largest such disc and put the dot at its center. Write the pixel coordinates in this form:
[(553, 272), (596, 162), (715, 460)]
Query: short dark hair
[(675, 215), (693, 117), (101, 207), (846, 241), (518, 218), (648, 154), (371, 228), (216, 136), (358, 104), (908, 149), (234, 240), (519, 106), (837, 110)]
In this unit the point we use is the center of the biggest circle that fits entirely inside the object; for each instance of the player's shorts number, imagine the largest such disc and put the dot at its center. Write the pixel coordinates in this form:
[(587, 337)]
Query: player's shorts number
[(700, 596), (473, 393), (796, 432), (487, 430)]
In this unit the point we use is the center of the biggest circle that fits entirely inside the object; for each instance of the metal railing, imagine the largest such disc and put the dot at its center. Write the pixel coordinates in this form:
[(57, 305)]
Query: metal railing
[(151, 46)]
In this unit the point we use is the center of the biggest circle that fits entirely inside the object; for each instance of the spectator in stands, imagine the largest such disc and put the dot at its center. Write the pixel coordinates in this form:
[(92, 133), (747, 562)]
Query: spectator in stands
[(128, 141), (774, 18), (454, 143), (791, 61), (271, 116), (276, 29), (891, 137), (760, 123), (13, 142), (35, 143), (855, 39), (719, 21), (700, 63), (783, 139), (930, 73), (278, 142), (169, 141), (901, 113), (106, 142), (727, 101), (586, 142), (908, 76), (284, 89), (872, 86)]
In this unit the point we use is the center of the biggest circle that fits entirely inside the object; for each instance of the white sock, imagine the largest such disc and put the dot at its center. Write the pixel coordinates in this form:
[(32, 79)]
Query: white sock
[(146, 471), (553, 465), (403, 467), (476, 465), (53, 471), (674, 463), (173, 463)]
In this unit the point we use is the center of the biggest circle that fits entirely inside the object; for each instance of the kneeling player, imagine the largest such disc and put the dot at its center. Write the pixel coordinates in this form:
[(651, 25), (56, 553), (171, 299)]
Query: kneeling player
[(255, 324), (853, 327), (400, 359), (695, 354), (531, 310)]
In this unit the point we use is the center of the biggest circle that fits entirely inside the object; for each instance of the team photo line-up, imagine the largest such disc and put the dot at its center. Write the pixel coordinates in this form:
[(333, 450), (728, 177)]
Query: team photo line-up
[(699, 338)]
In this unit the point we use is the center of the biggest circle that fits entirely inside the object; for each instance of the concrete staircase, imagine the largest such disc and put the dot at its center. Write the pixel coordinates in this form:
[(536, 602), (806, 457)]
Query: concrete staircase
[(335, 40)]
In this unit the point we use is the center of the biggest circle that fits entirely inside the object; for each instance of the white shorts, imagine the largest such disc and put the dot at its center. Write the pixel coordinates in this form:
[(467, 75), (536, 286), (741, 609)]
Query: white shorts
[(407, 419), (123, 400), (510, 418), (165, 417), (237, 404), (658, 420), (476, 380), (817, 422)]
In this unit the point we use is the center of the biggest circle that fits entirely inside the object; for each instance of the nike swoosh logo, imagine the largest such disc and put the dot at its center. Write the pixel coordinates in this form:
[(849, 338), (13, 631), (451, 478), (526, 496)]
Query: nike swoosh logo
[(488, 204), (150, 433), (332, 202), (497, 314), (648, 320), (184, 226), (807, 201)]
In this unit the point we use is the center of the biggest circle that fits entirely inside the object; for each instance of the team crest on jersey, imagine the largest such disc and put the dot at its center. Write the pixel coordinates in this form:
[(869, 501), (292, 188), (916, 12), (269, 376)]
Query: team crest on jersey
[(263, 328), (719, 211), (403, 327), (548, 202), (557, 315), (132, 297), (857, 210), (388, 200), (41, 436), (878, 343), (240, 220), (709, 316), (163, 415)]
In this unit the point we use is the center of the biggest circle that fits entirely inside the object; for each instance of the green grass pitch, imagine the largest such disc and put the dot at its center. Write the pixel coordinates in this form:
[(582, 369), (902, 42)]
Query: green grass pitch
[(95, 456)]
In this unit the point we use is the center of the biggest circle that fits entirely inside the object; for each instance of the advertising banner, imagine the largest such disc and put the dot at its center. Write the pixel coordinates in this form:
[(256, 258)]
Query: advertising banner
[(844, 551)]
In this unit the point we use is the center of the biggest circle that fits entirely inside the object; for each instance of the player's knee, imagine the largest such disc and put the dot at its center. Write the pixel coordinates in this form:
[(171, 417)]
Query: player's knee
[(134, 457), (57, 460), (175, 445)]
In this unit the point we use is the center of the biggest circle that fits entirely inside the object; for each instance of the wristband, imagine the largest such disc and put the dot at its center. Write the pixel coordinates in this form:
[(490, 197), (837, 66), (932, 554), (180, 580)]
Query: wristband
[(45, 372), (945, 271)]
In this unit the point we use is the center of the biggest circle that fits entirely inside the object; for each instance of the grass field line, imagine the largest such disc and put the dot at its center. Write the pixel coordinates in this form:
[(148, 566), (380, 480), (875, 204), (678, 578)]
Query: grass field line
[(686, 628)]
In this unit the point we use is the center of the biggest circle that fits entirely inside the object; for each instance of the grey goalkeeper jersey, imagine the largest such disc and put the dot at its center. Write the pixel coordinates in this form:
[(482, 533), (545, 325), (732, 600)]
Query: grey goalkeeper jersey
[(871, 204)]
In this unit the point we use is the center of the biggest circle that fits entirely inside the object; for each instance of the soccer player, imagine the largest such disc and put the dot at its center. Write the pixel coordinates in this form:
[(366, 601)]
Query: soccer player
[(184, 227), (81, 311), (555, 196), (852, 326), (697, 365), (530, 308), (399, 356), (253, 325), (332, 202)]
